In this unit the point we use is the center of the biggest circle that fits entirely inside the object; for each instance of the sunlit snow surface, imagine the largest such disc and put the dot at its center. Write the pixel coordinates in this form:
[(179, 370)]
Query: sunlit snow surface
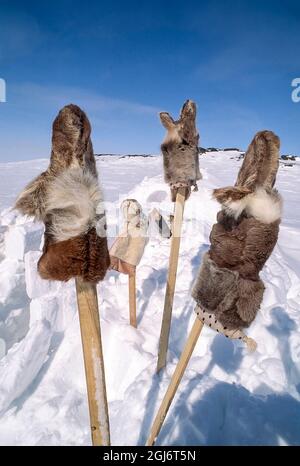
[(227, 396)]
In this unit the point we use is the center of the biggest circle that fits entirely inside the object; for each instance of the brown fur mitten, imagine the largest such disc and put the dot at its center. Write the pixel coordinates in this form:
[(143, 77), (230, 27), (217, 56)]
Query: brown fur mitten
[(68, 199), (180, 150), (228, 285)]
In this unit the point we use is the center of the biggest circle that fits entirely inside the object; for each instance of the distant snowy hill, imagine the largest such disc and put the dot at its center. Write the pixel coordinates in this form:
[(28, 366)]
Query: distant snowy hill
[(227, 397)]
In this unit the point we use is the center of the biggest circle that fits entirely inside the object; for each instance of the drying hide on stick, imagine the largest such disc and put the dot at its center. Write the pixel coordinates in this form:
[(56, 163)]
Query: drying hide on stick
[(228, 287), (127, 251), (180, 150), (228, 290), (181, 170), (68, 200)]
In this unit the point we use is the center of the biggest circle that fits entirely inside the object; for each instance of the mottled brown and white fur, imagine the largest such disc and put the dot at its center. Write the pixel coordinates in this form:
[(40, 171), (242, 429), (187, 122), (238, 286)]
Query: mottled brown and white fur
[(71, 149), (68, 199), (228, 284), (180, 150)]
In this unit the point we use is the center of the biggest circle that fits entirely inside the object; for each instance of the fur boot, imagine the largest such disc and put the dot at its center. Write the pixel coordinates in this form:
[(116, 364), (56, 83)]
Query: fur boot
[(228, 285), (180, 150), (68, 199)]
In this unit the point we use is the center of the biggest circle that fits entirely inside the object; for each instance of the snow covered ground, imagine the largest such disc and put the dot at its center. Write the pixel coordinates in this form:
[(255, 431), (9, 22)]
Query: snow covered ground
[(227, 396)]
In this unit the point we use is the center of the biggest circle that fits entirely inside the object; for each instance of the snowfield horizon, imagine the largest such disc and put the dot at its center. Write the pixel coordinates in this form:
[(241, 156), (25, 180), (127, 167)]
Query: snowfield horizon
[(227, 396)]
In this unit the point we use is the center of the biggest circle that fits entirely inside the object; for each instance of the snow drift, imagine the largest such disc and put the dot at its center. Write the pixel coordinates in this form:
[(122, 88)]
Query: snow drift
[(227, 396)]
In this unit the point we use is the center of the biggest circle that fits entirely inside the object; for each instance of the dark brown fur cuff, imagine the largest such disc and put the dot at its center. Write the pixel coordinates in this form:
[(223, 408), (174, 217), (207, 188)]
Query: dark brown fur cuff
[(84, 256)]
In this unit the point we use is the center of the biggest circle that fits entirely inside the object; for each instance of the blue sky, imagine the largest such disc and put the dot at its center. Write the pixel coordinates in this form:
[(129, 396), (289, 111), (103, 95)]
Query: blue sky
[(124, 61)]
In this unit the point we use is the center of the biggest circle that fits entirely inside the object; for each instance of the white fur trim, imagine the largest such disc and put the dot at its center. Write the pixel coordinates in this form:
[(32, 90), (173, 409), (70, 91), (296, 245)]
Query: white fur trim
[(265, 207), (73, 200)]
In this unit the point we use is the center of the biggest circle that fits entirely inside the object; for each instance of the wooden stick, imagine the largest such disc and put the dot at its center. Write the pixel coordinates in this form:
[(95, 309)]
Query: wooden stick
[(171, 280), (132, 299), (176, 378), (93, 361)]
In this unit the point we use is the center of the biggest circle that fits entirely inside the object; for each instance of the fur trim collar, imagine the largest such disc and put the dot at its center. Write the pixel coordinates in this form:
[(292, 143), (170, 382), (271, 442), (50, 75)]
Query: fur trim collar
[(265, 206)]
